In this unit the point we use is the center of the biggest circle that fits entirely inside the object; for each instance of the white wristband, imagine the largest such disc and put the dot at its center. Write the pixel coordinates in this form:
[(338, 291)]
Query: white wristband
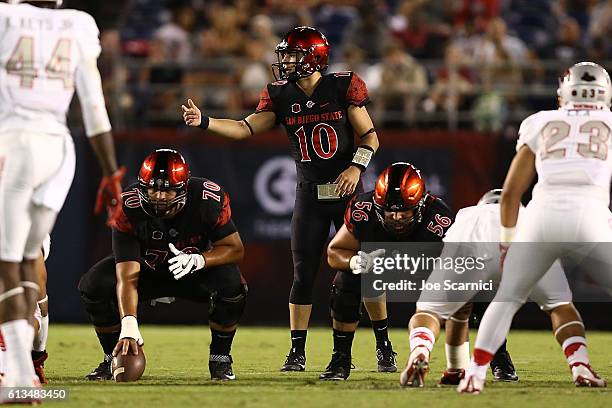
[(129, 329), (354, 262), (506, 234)]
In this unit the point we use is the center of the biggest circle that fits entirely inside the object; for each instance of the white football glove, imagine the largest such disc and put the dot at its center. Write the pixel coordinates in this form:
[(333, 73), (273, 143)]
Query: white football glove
[(183, 264), (129, 329), (363, 262)]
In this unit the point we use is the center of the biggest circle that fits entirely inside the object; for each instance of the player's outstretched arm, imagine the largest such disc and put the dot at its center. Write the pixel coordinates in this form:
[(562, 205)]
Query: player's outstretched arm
[(520, 175), (127, 298), (225, 251), (343, 246), (232, 129)]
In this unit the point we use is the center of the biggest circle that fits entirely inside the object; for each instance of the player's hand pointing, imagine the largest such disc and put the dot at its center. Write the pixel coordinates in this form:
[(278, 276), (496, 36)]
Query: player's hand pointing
[(191, 114), (347, 181)]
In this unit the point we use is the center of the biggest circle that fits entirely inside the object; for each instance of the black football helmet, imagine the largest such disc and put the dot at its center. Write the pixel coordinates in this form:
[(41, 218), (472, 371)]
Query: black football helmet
[(163, 170)]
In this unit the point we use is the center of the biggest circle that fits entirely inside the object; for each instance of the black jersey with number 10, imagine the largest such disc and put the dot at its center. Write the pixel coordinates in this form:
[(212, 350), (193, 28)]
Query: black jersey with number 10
[(321, 136)]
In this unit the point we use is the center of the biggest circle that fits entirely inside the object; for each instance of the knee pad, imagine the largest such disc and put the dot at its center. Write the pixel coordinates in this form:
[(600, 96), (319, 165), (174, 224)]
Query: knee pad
[(345, 304), (226, 309), (102, 313)]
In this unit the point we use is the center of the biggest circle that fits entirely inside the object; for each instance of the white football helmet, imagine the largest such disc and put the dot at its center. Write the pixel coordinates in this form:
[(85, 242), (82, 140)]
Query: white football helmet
[(58, 3), (491, 197), (585, 83)]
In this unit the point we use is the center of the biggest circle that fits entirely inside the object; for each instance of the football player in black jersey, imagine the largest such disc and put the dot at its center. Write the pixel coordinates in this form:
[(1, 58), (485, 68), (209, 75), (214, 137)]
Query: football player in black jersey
[(321, 114), (175, 238), (397, 210)]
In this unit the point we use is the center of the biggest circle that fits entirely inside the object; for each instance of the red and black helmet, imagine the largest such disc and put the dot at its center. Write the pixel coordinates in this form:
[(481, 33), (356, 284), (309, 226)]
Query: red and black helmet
[(163, 170), (311, 51), (400, 187)]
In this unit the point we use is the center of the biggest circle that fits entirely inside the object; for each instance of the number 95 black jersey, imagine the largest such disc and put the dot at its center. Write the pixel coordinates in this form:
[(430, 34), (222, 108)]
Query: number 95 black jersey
[(321, 136), (361, 220), (205, 218)]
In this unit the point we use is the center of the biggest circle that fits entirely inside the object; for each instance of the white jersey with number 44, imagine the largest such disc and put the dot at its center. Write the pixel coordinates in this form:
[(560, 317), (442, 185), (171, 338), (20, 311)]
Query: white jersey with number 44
[(573, 151), (40, 53)]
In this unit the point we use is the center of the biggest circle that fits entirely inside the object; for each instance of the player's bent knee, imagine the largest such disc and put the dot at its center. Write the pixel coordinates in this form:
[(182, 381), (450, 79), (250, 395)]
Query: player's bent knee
[(345, 305), (226, 308), (102, 313)]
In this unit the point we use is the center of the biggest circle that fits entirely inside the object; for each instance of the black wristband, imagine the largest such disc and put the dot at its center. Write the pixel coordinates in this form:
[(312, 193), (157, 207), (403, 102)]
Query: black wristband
[(204, 122)]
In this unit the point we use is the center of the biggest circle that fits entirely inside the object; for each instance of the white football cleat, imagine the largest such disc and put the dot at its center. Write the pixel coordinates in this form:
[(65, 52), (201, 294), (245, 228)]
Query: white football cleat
[(416, 369), (471, 384), (585, 376)]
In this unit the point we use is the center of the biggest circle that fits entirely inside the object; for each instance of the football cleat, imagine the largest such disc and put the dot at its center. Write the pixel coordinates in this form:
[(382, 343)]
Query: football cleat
[(220, 367), (416, 369), (103, 371), (585, 376), (38, 359), (386, 358), (338, 369), (502, 367), (296, 361), (452, 377), (471, 384)]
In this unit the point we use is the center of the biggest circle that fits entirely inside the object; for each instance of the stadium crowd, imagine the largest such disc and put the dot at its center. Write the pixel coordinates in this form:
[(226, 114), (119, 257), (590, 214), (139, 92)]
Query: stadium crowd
[(421, 59)]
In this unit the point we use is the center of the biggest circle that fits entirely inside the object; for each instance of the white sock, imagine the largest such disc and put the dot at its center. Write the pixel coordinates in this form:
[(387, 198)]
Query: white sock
[(575, 350), (457, 357), (422, 337), (479, 371), (40, 339), (18, 336)]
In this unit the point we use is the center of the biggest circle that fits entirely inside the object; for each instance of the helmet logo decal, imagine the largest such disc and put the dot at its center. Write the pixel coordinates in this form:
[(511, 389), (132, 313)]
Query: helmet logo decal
[(588, 77)]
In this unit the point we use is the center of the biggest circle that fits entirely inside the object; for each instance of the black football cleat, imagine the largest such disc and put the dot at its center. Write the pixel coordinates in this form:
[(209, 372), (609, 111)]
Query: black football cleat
[(220, 367), (338, 369), (502, 367), (296, 361), (386, 358), (38, 359), (103, 372)]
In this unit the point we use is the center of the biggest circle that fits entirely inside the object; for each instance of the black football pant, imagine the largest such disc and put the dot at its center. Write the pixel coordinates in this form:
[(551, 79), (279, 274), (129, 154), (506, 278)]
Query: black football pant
[(222, 287), (309, 234)]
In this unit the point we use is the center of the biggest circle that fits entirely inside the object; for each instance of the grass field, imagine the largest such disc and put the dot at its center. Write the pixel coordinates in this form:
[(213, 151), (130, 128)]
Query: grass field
[(177, 373)]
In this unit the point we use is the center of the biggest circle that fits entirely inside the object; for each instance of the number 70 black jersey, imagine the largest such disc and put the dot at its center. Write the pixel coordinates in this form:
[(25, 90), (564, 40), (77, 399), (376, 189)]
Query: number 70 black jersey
[(362, 221), (205, 218), (321, 136)]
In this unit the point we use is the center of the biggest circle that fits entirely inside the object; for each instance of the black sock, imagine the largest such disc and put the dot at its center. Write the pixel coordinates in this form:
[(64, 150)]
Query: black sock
[(108, 341), (343, 341), (502, 348), (381, 333), (298, 340), (221, 341)]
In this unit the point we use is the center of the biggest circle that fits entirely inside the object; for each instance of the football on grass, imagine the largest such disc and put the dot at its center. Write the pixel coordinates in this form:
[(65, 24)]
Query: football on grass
[(129, 367)]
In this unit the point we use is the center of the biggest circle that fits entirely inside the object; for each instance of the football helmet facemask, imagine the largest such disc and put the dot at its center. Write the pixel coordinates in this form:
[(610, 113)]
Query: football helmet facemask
[(164, 170)]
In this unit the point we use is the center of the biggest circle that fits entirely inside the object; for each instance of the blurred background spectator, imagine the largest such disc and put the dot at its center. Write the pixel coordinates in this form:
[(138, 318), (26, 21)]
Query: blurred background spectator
[(427, 63)]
